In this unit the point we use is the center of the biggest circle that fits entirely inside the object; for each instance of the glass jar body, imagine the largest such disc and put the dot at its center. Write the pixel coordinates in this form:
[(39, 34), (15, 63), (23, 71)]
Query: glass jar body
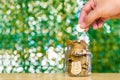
[(78, 63)]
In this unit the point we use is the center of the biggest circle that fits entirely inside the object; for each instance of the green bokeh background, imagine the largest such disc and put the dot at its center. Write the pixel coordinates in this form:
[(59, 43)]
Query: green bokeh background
[(29, 28)]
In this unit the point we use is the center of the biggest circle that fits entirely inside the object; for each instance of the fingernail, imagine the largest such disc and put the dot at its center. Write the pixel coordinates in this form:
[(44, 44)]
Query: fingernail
[(83, 25)]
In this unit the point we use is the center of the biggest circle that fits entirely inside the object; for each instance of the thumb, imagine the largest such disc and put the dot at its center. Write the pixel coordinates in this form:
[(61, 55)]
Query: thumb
[(91, 17)]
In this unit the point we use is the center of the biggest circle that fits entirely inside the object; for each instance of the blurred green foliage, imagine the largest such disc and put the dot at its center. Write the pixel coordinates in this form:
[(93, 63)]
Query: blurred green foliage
[(105, 47), (29, 29)]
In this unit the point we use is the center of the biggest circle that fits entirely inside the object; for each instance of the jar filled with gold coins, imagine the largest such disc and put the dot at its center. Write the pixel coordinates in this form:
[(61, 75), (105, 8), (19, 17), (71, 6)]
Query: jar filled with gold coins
[(78, 58)]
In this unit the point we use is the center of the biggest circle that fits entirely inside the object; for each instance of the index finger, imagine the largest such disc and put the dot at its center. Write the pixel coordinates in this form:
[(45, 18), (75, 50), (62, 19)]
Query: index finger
[(85, 11)]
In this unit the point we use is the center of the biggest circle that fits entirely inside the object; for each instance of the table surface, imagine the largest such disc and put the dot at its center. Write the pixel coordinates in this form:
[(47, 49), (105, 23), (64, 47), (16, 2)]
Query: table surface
[(59, 76)]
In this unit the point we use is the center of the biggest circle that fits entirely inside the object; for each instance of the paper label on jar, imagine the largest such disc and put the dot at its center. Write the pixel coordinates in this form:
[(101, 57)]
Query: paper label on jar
[(76, 67)]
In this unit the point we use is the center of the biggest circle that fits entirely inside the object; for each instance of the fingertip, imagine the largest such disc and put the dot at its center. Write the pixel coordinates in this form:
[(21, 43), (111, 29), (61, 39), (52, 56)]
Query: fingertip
[(86, 29), (100, 24), (94, 25), (83, 25)]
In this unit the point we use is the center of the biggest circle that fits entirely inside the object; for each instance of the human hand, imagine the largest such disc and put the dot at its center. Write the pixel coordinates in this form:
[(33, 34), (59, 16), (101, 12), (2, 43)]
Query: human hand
[(96, 12)]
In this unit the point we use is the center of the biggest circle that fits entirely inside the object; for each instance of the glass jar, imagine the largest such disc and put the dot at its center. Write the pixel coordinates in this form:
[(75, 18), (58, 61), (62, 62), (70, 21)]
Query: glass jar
[(78, 59)]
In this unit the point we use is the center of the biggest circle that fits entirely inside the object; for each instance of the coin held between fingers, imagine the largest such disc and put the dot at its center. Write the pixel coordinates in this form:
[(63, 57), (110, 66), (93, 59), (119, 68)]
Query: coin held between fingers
[(79, 29)]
